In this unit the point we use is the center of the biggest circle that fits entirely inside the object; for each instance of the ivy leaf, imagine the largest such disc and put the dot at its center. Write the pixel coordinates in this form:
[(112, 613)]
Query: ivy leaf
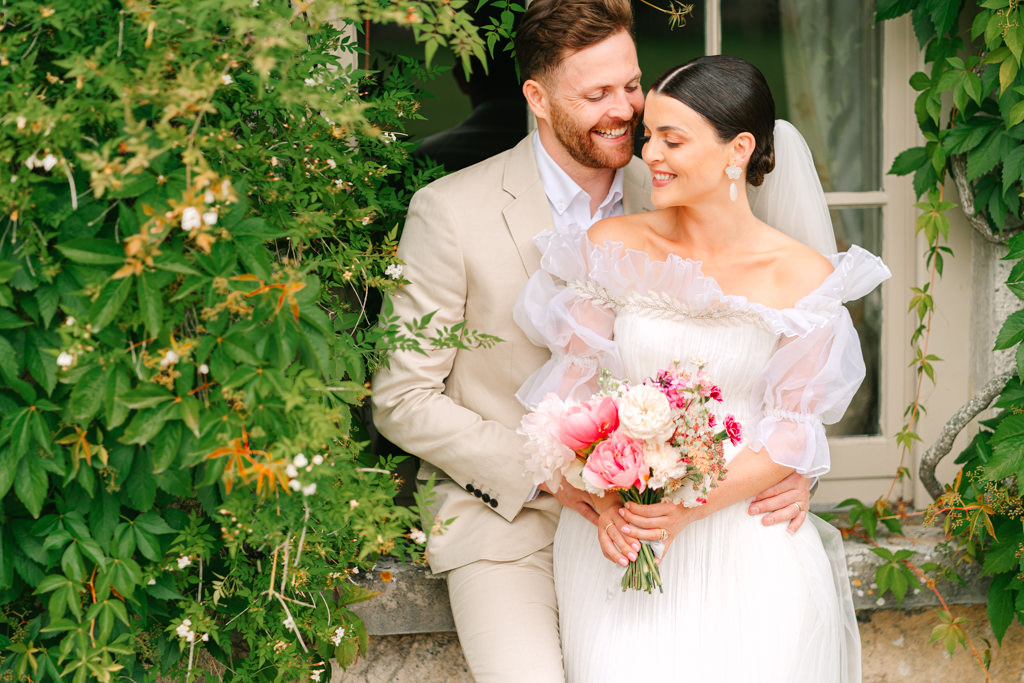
[(31, 485), (144, 396), (909, 161), (890, 9), (151, 304), (109, 303), (93, 252), (1000, 605), (87, 395), (1012, 331), (1001, 556)]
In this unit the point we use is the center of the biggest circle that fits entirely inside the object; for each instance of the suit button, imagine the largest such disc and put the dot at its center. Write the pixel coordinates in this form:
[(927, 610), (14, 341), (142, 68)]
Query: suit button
[(494, 502), (478, 493), (469, 487), (485, 498)]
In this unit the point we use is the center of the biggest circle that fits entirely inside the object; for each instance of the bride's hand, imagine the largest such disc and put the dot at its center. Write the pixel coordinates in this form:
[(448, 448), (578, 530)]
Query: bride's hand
[(616, 544), (658, 522)]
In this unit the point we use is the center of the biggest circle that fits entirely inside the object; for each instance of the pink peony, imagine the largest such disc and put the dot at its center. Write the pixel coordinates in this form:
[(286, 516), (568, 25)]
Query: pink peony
[(587, 423), (616, 463), (733, 429)]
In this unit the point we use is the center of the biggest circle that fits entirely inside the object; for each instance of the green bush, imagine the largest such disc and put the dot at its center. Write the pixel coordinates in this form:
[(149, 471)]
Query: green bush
[(199, 214)]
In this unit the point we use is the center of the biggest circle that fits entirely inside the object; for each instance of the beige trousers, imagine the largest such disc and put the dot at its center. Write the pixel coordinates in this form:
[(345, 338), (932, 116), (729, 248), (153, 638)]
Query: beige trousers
[(507, 619)]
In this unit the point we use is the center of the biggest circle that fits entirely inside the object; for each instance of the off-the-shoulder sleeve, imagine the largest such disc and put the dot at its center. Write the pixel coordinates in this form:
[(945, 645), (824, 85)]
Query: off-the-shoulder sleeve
[(808, 383), (554, 311), (816, 369)]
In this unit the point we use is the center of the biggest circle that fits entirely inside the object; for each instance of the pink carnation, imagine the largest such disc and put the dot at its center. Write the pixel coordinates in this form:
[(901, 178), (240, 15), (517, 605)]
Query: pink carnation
[(587, 423), (616, 463), (733, 429)]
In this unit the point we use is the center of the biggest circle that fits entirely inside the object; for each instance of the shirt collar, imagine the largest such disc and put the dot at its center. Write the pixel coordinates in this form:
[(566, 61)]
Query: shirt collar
[(562, 190)]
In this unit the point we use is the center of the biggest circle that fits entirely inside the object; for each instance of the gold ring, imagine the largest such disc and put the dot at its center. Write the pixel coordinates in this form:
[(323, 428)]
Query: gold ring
[(664, 535), (610, 524), (799, 508)]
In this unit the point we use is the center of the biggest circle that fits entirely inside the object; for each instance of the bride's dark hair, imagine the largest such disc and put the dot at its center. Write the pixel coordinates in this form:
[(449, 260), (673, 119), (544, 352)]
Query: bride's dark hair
[(734, 98)]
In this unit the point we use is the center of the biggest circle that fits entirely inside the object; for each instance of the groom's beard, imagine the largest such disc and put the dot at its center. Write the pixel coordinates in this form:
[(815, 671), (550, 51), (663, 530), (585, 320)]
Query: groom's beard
[(582, 146)]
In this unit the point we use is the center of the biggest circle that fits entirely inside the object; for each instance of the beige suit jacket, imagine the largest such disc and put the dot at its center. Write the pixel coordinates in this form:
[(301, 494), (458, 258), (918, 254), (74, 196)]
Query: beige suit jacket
[(468, 250)]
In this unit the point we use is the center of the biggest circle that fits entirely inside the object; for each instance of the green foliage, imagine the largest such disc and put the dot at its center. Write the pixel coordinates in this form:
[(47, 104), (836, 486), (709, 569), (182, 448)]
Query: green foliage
[(198, 218), (984, 509), (979, 71)]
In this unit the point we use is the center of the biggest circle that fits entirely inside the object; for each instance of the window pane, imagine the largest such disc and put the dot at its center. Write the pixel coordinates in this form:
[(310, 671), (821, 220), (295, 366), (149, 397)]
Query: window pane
[(822, 59), (863, 227), (659, 48)]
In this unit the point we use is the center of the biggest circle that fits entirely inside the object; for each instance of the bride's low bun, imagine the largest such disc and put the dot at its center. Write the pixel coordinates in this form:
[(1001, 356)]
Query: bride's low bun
[(762, 162)]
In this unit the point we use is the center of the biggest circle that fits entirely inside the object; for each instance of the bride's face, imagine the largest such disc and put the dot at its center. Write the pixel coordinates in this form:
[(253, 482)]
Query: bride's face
[(686, 158)]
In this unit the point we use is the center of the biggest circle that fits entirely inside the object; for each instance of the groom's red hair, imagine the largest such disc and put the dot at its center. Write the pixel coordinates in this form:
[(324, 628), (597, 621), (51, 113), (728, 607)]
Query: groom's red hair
[(553, 29)]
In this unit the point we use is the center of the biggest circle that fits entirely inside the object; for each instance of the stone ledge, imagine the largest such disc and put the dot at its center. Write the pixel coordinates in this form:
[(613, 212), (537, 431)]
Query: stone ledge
[(416, 601)]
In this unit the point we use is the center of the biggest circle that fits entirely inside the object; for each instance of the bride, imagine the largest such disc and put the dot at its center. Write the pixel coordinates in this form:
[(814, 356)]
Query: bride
[(760, 302)]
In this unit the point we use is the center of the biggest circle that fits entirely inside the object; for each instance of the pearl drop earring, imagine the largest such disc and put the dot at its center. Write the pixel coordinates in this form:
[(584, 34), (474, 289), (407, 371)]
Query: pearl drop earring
[(733, 171)]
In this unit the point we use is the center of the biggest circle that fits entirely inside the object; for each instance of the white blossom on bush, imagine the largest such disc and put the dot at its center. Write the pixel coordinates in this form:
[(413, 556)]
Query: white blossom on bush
[(184, 561), (191, 219), (393, 271)]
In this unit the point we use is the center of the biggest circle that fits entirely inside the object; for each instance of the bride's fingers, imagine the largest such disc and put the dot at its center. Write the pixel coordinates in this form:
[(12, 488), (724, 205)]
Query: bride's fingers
[(616, 545)]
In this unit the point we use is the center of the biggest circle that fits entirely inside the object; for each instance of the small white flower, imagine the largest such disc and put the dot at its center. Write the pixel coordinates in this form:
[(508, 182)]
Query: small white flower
[(291, 471), (353, 504), (300, 460), (255, 3), (309, 490), (289, 623), (310, 82), (339, 183), (209, 197), (187, 622), (295, 485), (366, 219), (315, 675), (389, 136), (190, 219), (418, 536), (65, 359), (225, 189), (48, 162), (226, 79), (20, 121), (393, 271), (183, 562), (339, 635), (14, 178), (880, 601), (170, 358), (70, 321), (151, 582), (204, 369), (210, 218), (318, 460), (332, 163), (32, 161), (206, 637)]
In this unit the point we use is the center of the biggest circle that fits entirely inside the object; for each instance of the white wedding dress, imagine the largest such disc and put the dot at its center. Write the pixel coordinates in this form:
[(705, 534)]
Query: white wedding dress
[(741, 602)]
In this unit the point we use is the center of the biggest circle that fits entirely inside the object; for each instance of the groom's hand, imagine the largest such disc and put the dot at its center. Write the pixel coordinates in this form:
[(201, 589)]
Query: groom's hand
[(787, 501), (571, 497)]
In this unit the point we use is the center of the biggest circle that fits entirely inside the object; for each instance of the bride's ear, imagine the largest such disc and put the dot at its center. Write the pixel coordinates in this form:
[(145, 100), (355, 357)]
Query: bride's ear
[(742, 147)]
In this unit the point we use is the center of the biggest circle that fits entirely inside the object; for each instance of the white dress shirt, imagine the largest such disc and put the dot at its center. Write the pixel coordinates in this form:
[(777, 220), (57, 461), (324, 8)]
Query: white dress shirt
[(570, 204)]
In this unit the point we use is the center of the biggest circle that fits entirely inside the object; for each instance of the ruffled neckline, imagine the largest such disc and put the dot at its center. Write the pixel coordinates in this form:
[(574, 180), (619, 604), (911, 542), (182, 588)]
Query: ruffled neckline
[(622, 271)]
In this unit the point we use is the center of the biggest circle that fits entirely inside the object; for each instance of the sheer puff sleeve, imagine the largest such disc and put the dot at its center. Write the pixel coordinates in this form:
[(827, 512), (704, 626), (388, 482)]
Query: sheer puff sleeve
[(578, 330), (812, 376)]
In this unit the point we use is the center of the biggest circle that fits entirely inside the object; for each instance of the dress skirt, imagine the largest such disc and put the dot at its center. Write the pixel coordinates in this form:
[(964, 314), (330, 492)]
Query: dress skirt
[(742, 602)]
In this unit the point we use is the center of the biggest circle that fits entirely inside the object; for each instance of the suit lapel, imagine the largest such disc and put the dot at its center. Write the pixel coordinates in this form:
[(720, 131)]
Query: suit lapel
[(528, 212), (636, 188)]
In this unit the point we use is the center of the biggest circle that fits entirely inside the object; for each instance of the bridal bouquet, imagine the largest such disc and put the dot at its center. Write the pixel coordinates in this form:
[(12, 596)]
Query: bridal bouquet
[(648, 442)]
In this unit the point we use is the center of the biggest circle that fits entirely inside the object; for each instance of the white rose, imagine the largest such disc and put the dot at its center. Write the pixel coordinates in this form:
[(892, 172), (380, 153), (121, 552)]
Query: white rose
[(645, 414)]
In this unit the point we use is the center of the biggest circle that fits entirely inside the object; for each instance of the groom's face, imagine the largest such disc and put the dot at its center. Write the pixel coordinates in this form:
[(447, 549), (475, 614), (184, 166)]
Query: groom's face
[(595, 102)]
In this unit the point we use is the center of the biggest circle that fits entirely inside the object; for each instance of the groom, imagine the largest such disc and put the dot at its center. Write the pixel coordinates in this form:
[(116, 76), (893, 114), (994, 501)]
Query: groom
[(468, 249)]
